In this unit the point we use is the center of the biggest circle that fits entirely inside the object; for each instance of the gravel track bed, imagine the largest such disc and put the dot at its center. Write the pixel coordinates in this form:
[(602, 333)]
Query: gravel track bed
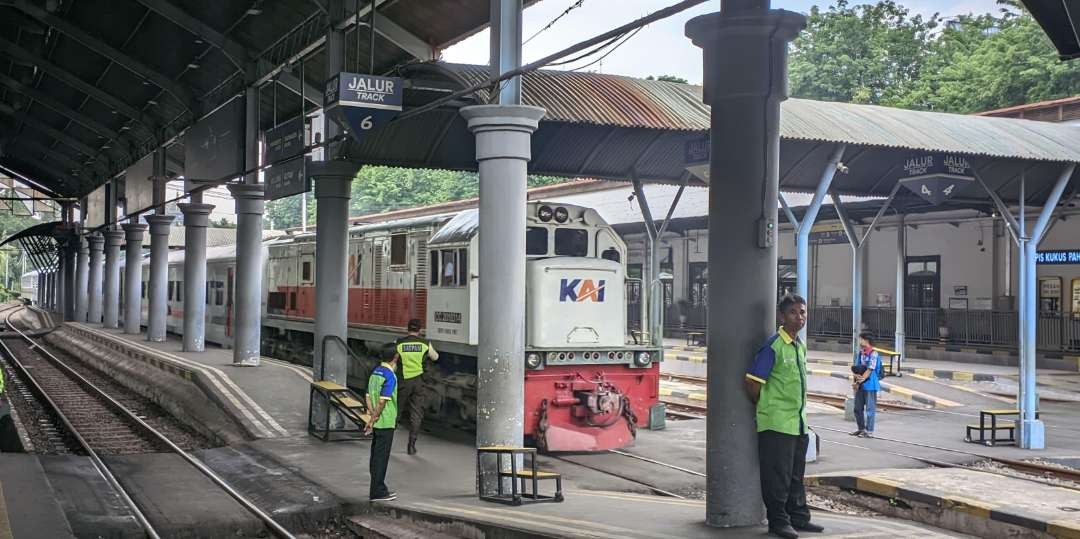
[(108, 431)]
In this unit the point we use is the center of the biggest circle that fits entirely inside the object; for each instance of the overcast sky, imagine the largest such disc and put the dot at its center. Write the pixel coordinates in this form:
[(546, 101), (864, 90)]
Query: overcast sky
[(659, 49)]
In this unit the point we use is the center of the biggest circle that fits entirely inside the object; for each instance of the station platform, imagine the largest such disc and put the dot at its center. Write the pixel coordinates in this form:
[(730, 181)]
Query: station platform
[(437, 486)]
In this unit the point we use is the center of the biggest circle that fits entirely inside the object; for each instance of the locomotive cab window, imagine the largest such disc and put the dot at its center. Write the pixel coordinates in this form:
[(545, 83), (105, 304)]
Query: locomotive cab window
[(399, 255), (449, 275), (536, 241), (433, 268), (571, 242)]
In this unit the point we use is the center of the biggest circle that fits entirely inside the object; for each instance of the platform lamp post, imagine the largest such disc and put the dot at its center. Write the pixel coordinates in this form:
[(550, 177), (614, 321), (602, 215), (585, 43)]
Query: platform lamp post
[(745, 55)]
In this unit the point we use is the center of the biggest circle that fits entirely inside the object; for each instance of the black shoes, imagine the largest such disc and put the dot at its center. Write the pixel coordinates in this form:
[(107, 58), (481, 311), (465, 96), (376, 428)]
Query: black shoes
[(389, 497), (784, 530), (412, 447), (859, 432), (809, 527)]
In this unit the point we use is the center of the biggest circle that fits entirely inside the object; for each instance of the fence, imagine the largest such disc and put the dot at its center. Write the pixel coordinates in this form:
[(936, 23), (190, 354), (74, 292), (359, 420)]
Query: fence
[(1055, 331)]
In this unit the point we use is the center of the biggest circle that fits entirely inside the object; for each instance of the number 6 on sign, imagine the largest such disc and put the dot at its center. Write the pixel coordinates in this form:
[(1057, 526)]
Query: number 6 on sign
[(366, 123)]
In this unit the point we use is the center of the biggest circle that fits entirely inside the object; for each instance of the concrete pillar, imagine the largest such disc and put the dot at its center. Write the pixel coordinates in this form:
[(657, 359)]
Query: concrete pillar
[(133, 278), (49, 289), (247, 340), (196, 218), (333, 180), (111, 279), (159, 276), (744, 90), (97, 257), (82, 279), (503, 149), (39, 292)]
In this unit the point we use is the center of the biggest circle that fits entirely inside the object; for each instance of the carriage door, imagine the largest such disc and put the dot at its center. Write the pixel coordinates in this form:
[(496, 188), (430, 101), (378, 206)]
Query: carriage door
[(231, 272)]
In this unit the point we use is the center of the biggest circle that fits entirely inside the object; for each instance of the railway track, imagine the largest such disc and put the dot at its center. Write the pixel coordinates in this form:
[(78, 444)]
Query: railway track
[(98, 423)]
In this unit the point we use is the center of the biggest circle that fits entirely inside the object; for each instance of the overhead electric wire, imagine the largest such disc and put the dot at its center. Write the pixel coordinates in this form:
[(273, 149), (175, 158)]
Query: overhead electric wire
[(551, 23), (608, 53)]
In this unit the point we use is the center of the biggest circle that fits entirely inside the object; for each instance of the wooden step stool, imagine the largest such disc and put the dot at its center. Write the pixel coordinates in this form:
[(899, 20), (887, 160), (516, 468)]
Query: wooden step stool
[(519, 479)]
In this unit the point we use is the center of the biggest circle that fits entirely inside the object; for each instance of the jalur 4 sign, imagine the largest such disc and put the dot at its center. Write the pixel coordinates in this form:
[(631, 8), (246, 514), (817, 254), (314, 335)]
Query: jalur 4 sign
[(363, 103), (936, 177)]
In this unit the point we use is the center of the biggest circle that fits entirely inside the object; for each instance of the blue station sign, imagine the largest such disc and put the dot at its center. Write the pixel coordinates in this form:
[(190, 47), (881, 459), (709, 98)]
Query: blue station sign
[(363, 103), (1058, 257), (935, 177)]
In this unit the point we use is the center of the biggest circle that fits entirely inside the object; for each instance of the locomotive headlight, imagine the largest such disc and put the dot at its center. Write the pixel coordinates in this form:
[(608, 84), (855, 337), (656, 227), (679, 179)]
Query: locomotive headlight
[(533, 360), (561, 215), (642, 359), (544, 213)]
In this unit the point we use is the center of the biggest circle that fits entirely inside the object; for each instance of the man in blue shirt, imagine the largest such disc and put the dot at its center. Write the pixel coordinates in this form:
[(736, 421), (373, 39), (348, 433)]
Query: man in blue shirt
[(867, 384), (382, 403)]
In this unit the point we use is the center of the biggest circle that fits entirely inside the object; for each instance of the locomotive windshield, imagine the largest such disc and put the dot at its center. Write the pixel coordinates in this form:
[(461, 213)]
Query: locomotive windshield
[(536, 241), (571, 242)]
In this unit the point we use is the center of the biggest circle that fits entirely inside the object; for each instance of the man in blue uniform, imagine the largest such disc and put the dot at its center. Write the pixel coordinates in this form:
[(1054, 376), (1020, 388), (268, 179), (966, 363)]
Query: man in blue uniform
[(776, 383), (382, 403)]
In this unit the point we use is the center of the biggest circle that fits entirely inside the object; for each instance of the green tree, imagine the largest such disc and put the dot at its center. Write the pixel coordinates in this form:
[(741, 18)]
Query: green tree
[(285, 212), (870, 53), (668, 78)]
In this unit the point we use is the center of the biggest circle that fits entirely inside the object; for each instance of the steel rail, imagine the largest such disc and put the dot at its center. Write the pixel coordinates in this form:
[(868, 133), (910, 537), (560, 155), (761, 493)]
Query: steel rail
[(99, 464), (270, 523)]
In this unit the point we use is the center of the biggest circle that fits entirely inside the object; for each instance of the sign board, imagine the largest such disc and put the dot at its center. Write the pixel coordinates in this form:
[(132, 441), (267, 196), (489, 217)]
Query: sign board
[(1058, 257), (936, 177), (138, 189), (214, 146), (828, 234), (285, 141), (363, 103), (287, 178), (696, 154), (95, 207)]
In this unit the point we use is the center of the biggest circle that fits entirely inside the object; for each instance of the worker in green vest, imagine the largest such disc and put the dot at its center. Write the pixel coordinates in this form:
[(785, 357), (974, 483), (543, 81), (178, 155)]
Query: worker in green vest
[(413, 351)]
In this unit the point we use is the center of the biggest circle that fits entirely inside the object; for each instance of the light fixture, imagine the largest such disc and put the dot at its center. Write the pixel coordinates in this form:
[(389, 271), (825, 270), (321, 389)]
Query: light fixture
[(149, 102), (124, 128), (254, 11), (193, 65)]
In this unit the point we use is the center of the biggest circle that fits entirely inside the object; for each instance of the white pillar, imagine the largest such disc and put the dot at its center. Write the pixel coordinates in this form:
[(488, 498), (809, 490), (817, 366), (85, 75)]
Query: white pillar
[(97, 256), (111, 279), (503, 149), (157, 313), (196, 219), (82, 279), (133, 278), (333, 182), (247, 340)]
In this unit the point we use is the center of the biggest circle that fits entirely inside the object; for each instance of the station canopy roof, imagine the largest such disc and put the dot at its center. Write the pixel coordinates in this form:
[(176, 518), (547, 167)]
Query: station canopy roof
[(615, 127), (1061, 21), (88, 87)]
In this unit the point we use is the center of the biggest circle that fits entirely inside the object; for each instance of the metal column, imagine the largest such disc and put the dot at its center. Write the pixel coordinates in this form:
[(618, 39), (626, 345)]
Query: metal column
[(1032, 430), (196, 219), (247, 340), (133, 278), (803, 228), (159, 276), (97, 256), (82, 280), (111, 279), (901, 277), (744, 90), (70, 251)]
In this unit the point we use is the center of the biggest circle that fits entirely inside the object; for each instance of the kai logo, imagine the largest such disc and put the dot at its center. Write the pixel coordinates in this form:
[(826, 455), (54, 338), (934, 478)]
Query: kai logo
[(579, 290)]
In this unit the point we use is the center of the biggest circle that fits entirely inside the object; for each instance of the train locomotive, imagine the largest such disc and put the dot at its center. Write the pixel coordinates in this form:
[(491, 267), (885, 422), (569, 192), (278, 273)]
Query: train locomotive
[(588, 387)]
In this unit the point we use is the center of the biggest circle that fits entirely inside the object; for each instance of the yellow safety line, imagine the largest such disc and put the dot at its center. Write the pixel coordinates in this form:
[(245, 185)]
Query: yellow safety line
[(5, 521), (637, 498), (541, 521), (967, 389)]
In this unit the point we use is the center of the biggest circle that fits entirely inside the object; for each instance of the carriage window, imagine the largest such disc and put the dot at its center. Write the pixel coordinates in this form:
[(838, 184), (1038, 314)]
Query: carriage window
[(449, 269), (611, 254), (463, 267), (208, 286), (536, 240), (172, 288), (219, 293), (571, 242), (143, 293), (398, 253), (433, 268), (305, 271), (354, 272), (179, 291)]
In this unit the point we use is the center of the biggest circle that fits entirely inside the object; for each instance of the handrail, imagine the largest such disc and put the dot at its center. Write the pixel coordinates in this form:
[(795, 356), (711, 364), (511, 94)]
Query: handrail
[(322, 362)]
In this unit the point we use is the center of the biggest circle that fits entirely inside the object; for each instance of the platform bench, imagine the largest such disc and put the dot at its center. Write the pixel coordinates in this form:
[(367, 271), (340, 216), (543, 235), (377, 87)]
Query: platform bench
[(894, 361), (520, 479), (1008, 427), (348, 405)]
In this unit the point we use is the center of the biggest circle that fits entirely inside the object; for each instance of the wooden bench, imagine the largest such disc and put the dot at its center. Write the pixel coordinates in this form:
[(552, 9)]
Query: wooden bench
[(1007, 427), (520, 479), (894, 361), (348, 405)]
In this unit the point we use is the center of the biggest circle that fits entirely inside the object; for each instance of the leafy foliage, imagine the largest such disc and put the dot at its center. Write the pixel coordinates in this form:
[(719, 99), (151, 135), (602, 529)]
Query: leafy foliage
[(881, 54), (668, 78)]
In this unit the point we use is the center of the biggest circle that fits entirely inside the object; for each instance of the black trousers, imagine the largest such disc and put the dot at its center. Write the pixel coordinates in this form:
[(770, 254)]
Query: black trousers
[(381, 442), (783, 463), (413, 395)]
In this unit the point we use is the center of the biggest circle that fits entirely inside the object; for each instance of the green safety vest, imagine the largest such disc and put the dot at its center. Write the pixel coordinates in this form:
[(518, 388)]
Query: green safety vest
[(382, 384), (412, 351), (780, 366)]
